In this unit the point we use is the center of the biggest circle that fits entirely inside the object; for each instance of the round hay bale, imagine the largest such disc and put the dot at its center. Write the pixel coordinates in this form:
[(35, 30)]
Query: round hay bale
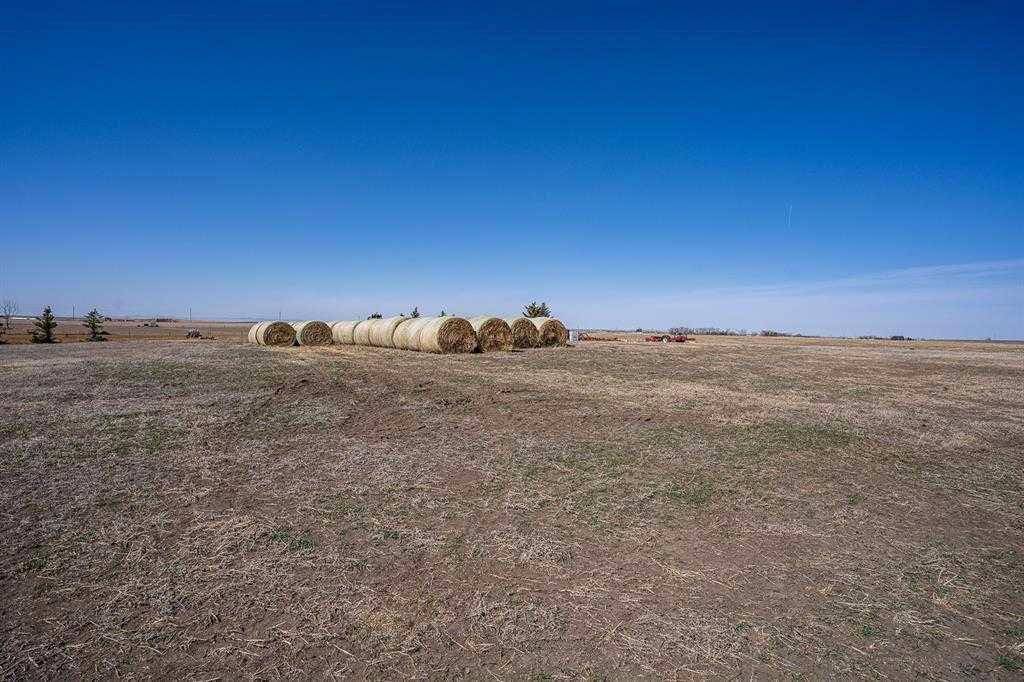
[(524, 332), (361, 332), (312, 333), (272, 333), (447, 335), (407, 334), (552, 332), (343, 330), (492, 333), (382, 332)]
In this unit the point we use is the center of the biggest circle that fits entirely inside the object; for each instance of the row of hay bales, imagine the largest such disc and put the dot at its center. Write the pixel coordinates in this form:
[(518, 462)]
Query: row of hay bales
[(427, 334)]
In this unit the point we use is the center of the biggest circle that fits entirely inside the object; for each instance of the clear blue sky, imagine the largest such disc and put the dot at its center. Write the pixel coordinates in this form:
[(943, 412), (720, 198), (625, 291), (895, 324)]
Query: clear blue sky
[(632, 164)]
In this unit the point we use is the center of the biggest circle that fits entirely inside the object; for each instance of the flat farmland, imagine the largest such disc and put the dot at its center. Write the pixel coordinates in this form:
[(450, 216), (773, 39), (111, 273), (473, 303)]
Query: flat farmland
[(731, 507), (72, 330)]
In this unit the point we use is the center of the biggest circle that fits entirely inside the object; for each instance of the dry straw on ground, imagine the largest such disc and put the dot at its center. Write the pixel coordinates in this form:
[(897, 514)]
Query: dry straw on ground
[(524, 332), (343, 330), (552, 332), (447, 335), (492, 333), (272, 333), (512, 514), (312, 333), (407, 334), (382, 332)]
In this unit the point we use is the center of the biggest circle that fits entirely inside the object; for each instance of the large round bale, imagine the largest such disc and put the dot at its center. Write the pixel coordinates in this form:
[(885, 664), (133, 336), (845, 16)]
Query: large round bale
[(524, 332), (272, 333), (552, 332), (361, 332), (447, 335), (492, 333), (343, 331), (312, 333), (407, 334), (382, 332)]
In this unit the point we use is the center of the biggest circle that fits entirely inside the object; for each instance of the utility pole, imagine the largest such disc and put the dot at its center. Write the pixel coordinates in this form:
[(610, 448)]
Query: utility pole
[(72, 312), (190, 313)]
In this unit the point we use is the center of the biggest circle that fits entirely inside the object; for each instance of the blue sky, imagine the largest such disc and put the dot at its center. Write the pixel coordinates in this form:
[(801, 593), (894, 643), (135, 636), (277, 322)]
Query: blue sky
[(838, 168)]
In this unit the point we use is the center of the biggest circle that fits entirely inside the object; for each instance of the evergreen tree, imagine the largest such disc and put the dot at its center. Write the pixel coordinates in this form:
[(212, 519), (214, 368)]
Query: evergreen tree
[(443, 313), (45, 324), (415, 312), (94, 321), (375, 316), (535, 309)]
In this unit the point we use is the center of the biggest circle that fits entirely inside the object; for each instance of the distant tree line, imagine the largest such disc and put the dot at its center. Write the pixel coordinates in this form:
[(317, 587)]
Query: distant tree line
[(772, 332), (894, 337), (716, 331), (532, 309), (720, 331)]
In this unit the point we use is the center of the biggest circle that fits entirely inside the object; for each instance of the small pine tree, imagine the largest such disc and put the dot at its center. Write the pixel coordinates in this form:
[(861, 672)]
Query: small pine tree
[(443, 313), (535, 309), (415, 312), (94, 321), (45, 324), (375, 316)]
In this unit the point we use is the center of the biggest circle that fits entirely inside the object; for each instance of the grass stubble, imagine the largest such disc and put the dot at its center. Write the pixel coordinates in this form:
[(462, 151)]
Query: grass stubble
[(735, 506)]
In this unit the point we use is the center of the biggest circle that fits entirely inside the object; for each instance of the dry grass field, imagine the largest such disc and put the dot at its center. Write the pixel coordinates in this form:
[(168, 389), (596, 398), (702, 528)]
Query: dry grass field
[(731, 507)]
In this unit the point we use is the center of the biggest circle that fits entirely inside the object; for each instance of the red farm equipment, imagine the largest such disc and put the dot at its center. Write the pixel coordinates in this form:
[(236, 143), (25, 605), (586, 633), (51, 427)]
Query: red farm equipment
[(668, 338)]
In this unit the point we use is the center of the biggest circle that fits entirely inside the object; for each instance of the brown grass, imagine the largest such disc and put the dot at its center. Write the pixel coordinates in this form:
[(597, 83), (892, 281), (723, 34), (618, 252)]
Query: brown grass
[(741, 508)]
